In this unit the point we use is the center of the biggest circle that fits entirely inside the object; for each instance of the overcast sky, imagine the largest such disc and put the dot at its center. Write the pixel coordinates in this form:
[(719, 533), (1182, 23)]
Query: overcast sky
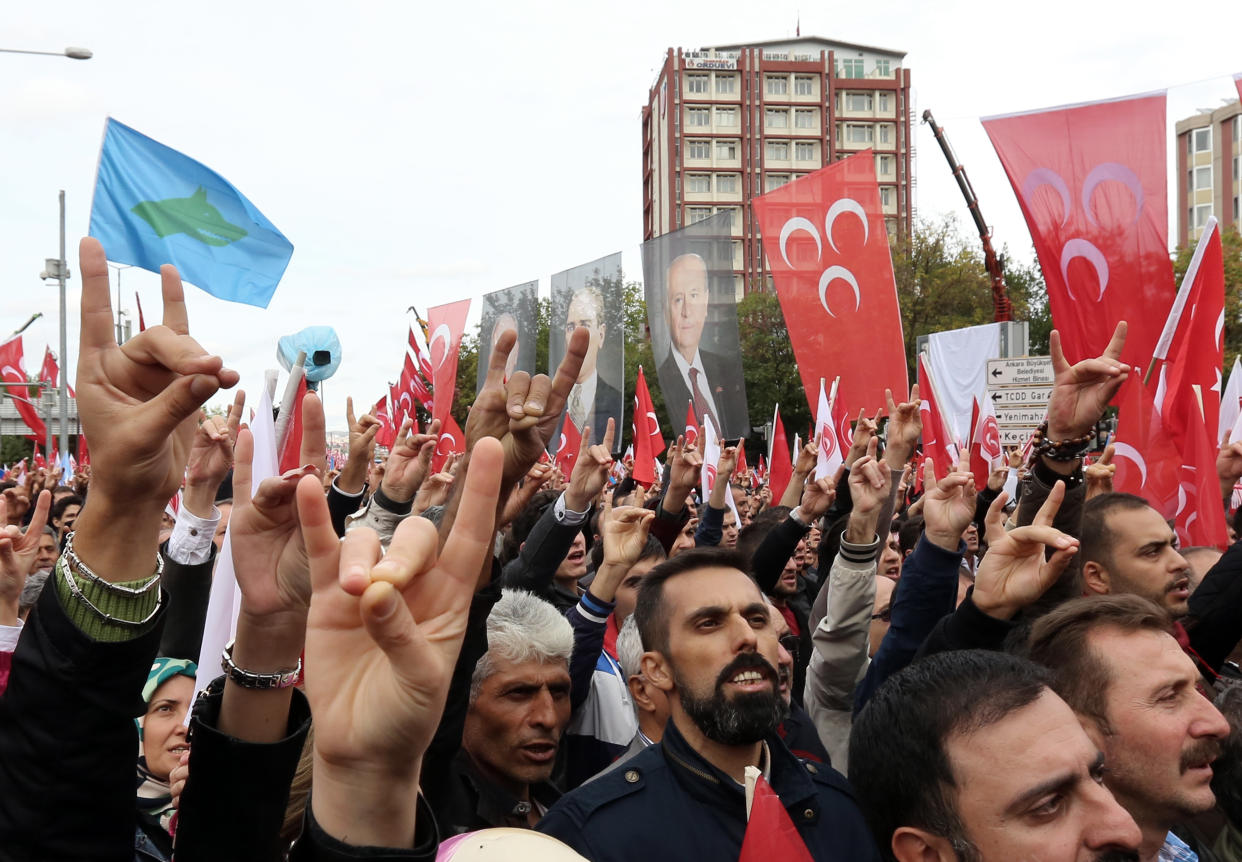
[(417, 153)]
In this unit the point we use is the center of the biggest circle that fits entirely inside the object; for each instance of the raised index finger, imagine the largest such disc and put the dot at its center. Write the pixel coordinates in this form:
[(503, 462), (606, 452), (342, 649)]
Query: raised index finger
[(500, 357), (567, 371), (97, 332)]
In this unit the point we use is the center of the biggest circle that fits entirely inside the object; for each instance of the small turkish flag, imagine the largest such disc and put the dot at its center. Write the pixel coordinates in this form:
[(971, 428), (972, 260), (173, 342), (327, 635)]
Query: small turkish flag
[(770, 833), (567, 449)]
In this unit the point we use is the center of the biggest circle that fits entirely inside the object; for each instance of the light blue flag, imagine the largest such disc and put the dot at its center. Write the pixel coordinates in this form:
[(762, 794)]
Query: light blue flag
[(154, 205)]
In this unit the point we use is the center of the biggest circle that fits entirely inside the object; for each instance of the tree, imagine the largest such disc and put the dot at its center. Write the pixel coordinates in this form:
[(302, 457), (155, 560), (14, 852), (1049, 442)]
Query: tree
[(1231, 245), (768, 364)]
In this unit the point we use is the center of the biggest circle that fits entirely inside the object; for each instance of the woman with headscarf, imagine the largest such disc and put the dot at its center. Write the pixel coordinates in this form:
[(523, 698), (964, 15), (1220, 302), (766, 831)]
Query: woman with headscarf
[(161, 744)]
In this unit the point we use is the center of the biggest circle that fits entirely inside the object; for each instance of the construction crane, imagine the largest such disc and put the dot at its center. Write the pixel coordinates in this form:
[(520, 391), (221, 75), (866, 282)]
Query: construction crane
[(1002, 309)]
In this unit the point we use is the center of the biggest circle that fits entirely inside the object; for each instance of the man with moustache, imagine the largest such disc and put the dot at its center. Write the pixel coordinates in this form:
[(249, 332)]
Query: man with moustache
[(712, 648)]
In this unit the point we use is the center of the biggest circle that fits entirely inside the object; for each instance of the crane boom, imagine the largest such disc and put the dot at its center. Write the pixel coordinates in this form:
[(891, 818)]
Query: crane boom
[(1002, 309)]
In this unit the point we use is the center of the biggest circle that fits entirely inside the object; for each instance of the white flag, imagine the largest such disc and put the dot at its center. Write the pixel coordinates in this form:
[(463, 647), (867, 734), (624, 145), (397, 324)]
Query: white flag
[(829, 457)]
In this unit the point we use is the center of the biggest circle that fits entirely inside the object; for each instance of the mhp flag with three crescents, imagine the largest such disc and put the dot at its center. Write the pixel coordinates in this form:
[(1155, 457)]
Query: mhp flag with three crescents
[(154, 205)]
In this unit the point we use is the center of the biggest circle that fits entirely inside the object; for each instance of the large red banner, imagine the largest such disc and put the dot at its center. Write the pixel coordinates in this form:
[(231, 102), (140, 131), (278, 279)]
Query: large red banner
[(446, 322), (12, 370), (826, 244), (1092, 184)]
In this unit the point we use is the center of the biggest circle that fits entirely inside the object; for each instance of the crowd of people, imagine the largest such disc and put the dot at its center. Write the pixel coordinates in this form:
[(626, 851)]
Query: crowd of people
[(1031, 671)]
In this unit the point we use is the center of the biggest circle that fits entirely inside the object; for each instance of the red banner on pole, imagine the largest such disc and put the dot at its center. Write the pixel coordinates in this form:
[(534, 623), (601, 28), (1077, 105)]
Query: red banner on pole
[(447, 322), (1092, 183), (12, 370), (825, 240), (646, 433)]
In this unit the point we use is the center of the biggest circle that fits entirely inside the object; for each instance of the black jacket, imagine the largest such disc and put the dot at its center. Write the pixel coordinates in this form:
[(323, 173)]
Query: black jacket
[(668, 803)]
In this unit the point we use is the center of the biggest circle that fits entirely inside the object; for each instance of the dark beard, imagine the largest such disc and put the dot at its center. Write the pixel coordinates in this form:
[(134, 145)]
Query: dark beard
[(742, 720)]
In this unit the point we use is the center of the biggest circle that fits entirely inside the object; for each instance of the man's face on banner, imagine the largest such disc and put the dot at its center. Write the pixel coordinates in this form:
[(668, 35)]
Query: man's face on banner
[(585, 310), (505, 322), (687, 303)]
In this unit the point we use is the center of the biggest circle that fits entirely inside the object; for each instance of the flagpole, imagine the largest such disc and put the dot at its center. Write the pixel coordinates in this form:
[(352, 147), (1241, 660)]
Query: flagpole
[(62, 394)]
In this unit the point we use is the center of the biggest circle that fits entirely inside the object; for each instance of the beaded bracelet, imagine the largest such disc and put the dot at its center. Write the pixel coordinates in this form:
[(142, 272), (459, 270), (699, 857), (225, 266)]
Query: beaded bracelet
[(1061, 450)]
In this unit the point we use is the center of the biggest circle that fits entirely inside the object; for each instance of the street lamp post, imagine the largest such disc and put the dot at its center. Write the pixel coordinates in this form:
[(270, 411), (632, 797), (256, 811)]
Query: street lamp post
[(58, 269)]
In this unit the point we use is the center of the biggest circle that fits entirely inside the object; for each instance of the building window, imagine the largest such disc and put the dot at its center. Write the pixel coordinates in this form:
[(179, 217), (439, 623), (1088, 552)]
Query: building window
[(885, 133), (890, 225), (726, 84), (697, 214), (852, 68), (699, 184), (804, 85), (858, 101), (696, 83), (735, 218), (775, 181), (776, 118), (777, 85), (883, 67), (884, 165), (857, 133), (805, 119), (727, 184), (1203, 140), (881, 102), (726, 151), (726, 116), (886, 196), (698, 116), (1203, 178), (698, 149), (1202, 211), (804, 151), (778, 150)]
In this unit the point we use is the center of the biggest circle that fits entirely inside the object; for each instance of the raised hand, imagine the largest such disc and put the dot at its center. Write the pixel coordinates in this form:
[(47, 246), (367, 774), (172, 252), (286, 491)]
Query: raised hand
[(211, 456), (1081, 392), (362, 433), (864, 431), (408, 462), (685, 465), (523, 493), (1013, 573), (591, 467), (17, 554), (905, 424), (1099, 474), (1229, 465), (948, 505), (818, 495), (870, 482), (808, 456), (523, 412), (138, 403), (382, 640), (624, 533)]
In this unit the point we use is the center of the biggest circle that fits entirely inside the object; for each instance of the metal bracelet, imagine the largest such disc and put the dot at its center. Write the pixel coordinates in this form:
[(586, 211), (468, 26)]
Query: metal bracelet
[(107, 617), (260, 681), (79, 567)]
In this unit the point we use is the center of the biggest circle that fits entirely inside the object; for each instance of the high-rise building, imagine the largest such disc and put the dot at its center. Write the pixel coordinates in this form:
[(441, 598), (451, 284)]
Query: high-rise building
[(726, 123), (1209, 146)]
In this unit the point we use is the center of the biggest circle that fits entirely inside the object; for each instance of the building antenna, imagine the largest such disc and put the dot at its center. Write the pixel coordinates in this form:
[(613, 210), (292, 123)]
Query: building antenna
[(798, 27)]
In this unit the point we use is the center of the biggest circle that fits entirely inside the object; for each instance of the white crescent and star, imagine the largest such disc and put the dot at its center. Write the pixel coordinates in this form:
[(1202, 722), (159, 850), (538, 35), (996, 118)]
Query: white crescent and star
[(1125, 450), (830, 275), (798, 223), (1117, 173), (1078, 247), (440, 447), (441, 333), (845, 205)]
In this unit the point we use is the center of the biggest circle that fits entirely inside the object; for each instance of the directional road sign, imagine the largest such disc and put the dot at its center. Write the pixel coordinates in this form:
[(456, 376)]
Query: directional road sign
[(1020, 371)]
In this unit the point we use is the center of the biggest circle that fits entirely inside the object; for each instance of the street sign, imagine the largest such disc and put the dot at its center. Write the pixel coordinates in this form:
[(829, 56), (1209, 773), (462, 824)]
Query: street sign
[(1035, 396), (1027, 417), (1015, 436), (1020, 371)]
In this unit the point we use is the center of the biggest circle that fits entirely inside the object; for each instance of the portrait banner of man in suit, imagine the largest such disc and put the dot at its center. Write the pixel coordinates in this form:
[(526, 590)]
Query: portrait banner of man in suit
[(514, 308), (692, 312), (591, 296)]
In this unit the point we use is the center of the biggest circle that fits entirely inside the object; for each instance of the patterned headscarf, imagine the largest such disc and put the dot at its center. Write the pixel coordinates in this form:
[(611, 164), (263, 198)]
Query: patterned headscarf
[(154, 797)]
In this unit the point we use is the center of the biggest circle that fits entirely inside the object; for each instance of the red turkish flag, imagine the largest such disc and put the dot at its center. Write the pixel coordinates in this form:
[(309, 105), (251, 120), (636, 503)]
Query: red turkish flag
[(387, 434), (740, 469), (938, 442), (1091, 181), (452, 441), (1148, 461), (84, 452), (770, 832), (780, 465), (50, 370), (827, 246), (423, 362), (567, 448), (692, 424), (761, 471), (1237, 82), (646, 433), (12, 370), (1200, 518), (142, 323), (447, 322), (411, 384), (985, 446), (291, 446), (841, 418), (1190, 380), (398, 409)]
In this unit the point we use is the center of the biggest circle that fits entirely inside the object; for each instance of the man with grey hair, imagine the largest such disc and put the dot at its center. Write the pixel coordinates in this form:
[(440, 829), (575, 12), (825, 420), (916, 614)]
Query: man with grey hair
[(650, 703), (519, 707)]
